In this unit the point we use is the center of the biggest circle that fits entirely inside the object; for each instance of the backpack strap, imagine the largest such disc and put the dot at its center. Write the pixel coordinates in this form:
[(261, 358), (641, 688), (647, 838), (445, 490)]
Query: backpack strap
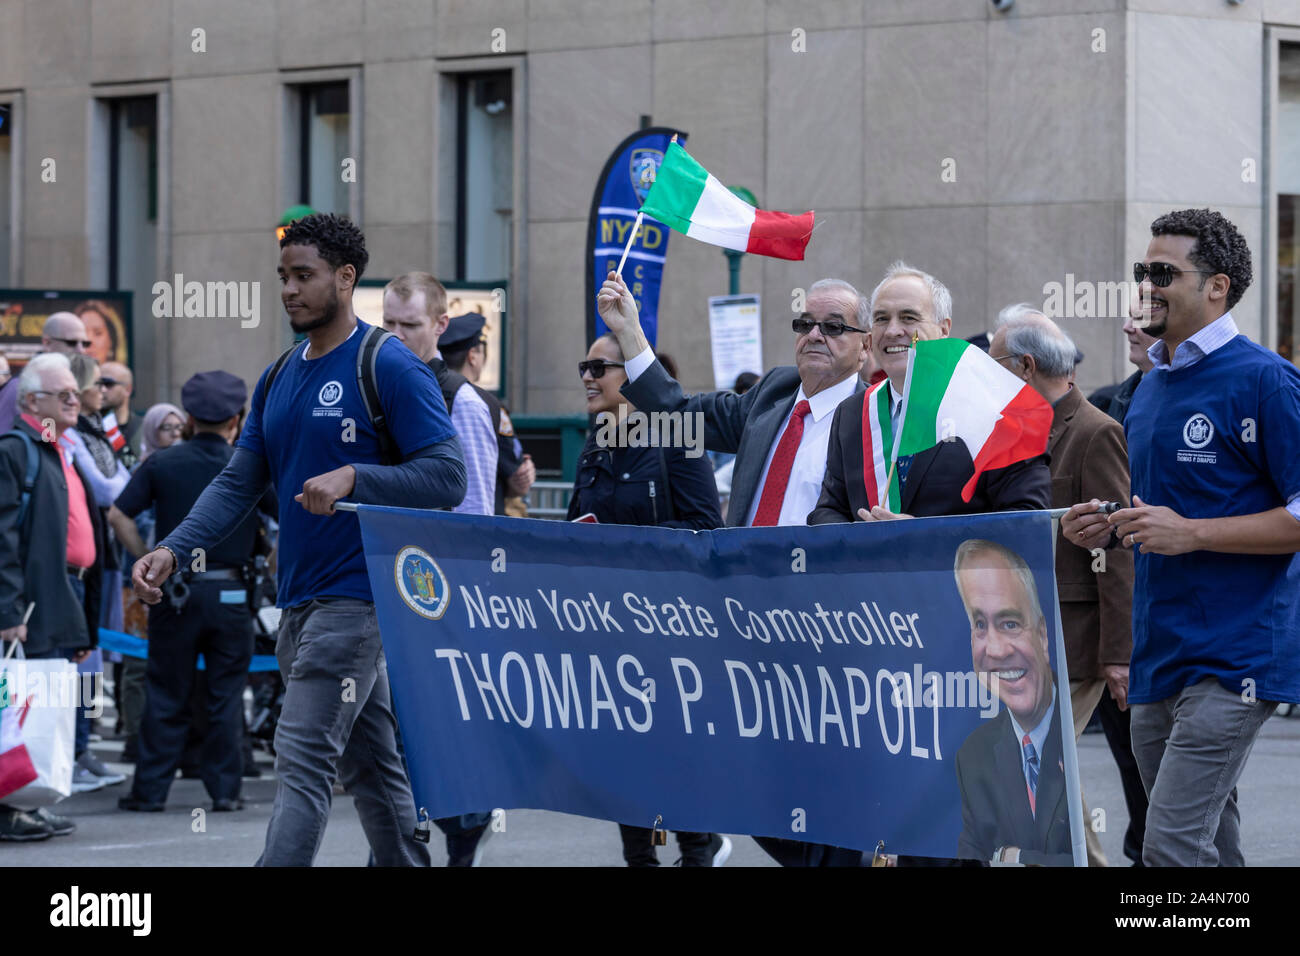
[(367, 358), (270, 376), (29, 478)]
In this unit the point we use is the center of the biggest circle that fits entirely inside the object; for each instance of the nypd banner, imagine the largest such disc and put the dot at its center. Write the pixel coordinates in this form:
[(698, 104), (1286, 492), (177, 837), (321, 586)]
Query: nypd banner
[(899, 681), (620, 190)]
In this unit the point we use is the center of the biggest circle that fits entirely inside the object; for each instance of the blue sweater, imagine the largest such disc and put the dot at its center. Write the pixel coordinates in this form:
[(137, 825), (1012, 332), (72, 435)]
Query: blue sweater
[(1220, 438)]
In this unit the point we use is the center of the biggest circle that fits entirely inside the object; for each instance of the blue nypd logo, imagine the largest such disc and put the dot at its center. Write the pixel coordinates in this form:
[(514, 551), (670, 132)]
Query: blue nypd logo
[(421, 583), (643, 167)]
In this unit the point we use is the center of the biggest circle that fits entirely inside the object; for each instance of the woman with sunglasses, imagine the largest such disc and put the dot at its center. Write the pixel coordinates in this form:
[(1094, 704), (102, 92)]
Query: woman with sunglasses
[(642, 486)]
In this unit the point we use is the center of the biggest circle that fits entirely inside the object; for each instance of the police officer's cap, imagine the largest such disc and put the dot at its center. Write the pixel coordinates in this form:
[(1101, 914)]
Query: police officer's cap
[(463, 332), (214, 396)]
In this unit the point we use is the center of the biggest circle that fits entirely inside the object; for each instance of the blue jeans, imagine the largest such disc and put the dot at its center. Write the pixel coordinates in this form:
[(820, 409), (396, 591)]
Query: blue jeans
[(337, 720)]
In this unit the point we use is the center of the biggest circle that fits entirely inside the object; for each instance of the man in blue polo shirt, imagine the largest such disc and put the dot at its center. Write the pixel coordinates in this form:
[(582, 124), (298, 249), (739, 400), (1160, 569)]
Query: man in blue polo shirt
[(1214, 448), (311, 437)]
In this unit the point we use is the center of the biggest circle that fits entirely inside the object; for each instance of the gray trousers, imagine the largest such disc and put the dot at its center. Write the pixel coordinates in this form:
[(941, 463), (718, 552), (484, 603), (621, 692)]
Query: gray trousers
[(337, 718), (1191, 749)]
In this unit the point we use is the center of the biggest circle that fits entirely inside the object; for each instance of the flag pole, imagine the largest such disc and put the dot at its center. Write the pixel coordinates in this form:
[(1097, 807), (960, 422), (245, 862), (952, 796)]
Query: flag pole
[(902, 421), (636, 227)]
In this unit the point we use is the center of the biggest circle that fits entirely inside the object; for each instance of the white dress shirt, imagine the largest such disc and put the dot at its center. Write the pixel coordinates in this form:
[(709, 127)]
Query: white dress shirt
[(809, 467), (805, 485)]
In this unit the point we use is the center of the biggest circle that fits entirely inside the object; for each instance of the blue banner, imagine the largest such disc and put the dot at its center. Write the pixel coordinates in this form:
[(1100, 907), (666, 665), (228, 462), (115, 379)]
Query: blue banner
[(827, 684), (620, 190)]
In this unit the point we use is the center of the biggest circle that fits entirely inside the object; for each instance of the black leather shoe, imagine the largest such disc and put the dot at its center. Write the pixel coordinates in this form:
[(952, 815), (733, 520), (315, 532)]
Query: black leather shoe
[(59, 826), (226, 805), (21, 827), (132, 802)]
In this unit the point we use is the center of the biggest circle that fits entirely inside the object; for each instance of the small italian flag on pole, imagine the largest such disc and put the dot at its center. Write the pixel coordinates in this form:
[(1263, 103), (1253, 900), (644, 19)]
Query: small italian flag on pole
[(954, 390), (687, 197)]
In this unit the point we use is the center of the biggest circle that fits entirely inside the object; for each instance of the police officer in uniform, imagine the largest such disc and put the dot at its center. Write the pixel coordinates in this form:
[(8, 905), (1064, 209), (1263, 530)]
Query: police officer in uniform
[(463, 347), (205, 608)]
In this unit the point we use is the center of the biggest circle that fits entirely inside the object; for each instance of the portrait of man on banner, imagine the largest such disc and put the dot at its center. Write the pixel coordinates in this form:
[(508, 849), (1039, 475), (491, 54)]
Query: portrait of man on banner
[(1011, 769)]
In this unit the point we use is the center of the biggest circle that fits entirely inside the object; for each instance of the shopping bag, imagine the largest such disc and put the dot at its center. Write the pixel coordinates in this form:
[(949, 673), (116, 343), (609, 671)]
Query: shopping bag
[(50, 692), (16, 768)]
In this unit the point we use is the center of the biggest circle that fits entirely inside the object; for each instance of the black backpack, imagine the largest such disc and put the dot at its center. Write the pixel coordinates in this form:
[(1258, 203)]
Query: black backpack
[(371, 341)]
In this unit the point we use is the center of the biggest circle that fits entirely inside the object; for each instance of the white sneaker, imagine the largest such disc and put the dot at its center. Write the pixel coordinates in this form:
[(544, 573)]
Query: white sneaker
[(92, 764), (83, 781)]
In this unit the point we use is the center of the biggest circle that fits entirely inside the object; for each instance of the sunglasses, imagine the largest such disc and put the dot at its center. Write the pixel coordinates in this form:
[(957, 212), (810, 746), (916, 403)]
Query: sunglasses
[(1162, 273), (73, 343), (596, 367), (67, 398), (831, 328), (108, 383)]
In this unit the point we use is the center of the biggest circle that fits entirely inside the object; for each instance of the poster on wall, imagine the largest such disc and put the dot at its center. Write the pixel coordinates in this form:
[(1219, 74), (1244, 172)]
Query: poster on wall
[(488, 299), (105, 314)]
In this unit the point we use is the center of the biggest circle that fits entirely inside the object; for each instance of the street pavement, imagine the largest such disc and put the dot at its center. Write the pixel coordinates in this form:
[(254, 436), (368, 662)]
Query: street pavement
[(189, 834)]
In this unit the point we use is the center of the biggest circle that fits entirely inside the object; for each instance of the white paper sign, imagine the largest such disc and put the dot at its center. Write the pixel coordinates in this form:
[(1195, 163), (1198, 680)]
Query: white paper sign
[(736, 336)]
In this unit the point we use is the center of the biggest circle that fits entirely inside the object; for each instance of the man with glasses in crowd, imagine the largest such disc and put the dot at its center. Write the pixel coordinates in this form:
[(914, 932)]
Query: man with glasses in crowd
[(1214, 451), (51, 545), (777, 430), (64, 333)]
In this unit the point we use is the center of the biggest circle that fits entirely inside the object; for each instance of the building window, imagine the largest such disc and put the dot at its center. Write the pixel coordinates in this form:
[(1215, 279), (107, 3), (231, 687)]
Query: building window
[(322, 136), (484, 176), (133, 194), (1287, 174)]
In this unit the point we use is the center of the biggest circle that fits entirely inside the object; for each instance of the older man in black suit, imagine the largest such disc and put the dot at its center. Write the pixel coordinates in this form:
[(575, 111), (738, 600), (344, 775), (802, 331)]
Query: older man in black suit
[(778, 430), (1011, 769), (908, 305)]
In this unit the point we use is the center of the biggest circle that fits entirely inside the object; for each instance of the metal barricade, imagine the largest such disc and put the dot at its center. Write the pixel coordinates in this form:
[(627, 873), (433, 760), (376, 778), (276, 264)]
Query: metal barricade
[(549, 499)]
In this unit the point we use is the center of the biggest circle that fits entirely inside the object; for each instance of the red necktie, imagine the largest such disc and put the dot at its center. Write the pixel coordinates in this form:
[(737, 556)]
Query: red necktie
[(778, 473)]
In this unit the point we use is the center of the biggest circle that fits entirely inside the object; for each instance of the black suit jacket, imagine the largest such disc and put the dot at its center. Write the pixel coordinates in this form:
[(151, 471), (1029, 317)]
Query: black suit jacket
[(745, 425), (934, 482), (995, 799)]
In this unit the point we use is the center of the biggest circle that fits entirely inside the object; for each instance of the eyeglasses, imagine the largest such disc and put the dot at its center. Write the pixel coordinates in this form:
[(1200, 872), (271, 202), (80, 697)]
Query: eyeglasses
[(1162, 273), (171, 429), (831, 328), (596, 367), (999, 358), (73, 343), (67, 398), (108, 383)]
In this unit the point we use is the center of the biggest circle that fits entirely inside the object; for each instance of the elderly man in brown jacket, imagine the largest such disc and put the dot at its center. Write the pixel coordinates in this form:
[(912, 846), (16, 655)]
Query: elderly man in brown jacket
[(1089, 459)]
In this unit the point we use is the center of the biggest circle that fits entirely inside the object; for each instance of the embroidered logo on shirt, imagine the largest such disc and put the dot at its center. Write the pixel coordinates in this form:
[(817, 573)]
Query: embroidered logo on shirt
[(1197, 433), (330, 393), (329, 396)]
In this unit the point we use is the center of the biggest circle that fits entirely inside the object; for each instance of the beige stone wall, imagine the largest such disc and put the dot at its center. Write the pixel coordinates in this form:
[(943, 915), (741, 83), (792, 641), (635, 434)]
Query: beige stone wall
[(1062, 154)]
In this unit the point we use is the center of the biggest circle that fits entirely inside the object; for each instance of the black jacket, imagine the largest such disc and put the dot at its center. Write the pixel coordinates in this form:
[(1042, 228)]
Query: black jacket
[(934, 481), (1114, 400), (615, 485), (33, 560)]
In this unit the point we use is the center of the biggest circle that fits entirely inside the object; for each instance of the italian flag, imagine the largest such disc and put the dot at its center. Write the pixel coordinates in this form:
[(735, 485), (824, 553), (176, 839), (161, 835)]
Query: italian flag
[(954, 390), (687, 197)]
